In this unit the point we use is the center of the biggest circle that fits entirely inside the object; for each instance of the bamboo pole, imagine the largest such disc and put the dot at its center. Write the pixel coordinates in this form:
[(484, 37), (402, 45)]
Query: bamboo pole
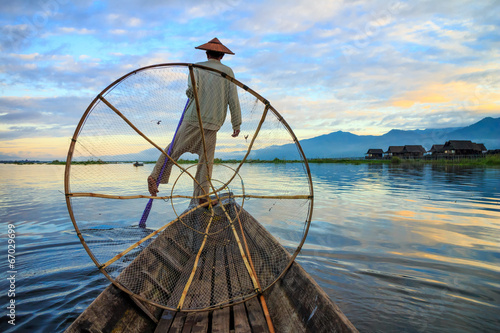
[(202, 132), (251, 196), (244, 257), (195, 265), (198, 111), (242, 252), (200, 122), (259, 126), (133, 246), (126, 197), (311, 191), (67, 180), (261, 296), (257, 131), (121, 115), (136, 244), (168, 197)]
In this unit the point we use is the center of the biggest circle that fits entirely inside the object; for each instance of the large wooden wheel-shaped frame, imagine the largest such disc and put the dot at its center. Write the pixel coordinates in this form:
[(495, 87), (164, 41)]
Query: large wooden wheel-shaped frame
[(169, 250)]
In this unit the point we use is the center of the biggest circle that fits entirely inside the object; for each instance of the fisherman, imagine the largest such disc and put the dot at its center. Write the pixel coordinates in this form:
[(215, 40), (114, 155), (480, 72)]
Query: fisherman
[(215, 94)]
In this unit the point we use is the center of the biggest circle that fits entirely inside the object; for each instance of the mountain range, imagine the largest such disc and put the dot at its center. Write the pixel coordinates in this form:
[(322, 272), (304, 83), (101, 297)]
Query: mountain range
[(345, 144)]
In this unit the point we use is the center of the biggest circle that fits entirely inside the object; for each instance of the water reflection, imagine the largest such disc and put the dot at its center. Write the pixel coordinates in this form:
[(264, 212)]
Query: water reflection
[(421, 244), (398, 248)]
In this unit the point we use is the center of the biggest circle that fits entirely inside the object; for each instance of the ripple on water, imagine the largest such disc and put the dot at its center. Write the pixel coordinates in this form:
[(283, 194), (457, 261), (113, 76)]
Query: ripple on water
[(398, 249)]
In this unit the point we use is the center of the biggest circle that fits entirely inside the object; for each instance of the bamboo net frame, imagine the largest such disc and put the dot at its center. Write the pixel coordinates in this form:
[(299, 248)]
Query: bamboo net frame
[(223, 220)]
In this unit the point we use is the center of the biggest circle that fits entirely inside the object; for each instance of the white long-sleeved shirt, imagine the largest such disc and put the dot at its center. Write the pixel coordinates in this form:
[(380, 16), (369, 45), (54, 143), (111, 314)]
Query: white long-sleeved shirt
[(215, 94)]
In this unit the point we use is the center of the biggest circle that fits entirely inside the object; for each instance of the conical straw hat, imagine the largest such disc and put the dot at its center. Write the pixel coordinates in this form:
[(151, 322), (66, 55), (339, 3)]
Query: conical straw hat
[(214, 45)]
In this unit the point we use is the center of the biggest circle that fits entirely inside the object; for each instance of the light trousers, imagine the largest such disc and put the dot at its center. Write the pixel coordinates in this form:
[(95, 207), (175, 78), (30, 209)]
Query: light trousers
[(189, 139)]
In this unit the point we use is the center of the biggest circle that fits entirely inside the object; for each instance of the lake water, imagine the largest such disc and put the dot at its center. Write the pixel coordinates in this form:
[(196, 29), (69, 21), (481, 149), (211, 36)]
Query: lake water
[(398, 248)]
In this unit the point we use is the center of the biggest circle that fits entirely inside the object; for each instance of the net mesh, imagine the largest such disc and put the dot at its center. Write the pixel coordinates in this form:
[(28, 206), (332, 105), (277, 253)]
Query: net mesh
[(189, 253)]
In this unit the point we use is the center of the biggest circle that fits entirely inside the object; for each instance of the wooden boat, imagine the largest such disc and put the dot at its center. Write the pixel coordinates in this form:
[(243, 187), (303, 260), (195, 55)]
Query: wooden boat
[(294, 303), (137, 164)]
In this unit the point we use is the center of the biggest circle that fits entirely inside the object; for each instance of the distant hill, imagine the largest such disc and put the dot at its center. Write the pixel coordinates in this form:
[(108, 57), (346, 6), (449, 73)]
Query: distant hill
[(488, 128), (345, 144), (10, 157)]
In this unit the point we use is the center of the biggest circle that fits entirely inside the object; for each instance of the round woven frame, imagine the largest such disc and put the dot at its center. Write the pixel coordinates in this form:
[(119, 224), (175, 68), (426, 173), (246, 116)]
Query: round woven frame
[(103, 267)]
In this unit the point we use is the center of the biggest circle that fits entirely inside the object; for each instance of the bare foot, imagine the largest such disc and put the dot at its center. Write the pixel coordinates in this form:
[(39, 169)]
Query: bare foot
[(153, 189)]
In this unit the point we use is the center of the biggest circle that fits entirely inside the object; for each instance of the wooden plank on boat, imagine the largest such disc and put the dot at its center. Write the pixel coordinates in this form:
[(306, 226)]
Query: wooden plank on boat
[(267, 262), (256, 316), (112, 308), (241, 324), (181, 283), (196, 322), (231, 273), (159, 287), (167, 259), (179, 247), (239, 271), (178, 323), (201, 322), (189, 322), (198, 295), (221, 320), (166, 321), (221, 283)]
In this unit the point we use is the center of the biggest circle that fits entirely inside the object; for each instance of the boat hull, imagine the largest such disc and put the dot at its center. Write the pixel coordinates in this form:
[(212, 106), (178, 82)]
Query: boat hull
[(295, 302)]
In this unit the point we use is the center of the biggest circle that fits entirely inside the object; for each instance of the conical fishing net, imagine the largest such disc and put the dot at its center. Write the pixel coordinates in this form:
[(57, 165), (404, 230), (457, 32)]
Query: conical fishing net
[(204, 240)]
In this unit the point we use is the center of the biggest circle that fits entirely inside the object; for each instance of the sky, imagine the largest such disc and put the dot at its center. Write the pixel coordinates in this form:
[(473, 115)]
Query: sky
[(364, 67)]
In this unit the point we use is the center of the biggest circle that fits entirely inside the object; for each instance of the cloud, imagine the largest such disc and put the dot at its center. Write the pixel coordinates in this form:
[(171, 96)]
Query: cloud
[(71, 30), (30, 117), (13, 37), (118, 32), (44, 148), (362, 66), (124, 20), (295, 16)]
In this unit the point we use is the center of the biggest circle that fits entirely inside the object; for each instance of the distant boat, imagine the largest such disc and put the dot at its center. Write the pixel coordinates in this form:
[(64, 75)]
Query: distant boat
[(138, 164)]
